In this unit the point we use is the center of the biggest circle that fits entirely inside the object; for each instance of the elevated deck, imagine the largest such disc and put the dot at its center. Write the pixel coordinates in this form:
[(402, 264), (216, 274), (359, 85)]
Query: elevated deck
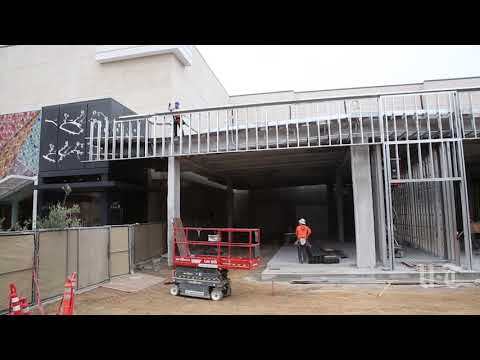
[(412, 117)]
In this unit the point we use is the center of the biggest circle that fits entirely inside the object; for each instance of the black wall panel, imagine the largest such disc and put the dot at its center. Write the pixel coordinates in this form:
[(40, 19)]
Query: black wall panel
[(48, 136), (71, 136), (64, 141), (98, 111)]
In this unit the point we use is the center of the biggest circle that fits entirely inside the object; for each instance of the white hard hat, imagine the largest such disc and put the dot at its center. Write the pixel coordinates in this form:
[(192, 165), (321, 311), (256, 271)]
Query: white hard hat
[(302, 221)]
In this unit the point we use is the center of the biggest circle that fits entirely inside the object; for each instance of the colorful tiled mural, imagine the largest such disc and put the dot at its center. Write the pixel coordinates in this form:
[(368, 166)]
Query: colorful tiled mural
[(19, 143)]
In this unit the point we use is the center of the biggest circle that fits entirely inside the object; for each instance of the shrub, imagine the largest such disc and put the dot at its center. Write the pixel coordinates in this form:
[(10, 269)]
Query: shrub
[(60, 216)]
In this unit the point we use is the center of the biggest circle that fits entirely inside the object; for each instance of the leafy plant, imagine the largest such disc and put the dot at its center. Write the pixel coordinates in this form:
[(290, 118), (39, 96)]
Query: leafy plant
[(60, 216)]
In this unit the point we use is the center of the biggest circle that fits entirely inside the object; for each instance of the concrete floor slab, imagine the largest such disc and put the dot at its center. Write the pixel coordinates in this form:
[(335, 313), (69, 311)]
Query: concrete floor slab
[(284, 266)]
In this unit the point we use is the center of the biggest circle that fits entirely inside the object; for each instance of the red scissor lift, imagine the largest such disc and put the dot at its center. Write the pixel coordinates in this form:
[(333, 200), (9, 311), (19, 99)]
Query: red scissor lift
[(203, 256)]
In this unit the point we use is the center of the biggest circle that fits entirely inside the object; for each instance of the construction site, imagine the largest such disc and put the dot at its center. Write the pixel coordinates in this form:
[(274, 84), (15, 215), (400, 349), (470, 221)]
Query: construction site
[(205, 199)]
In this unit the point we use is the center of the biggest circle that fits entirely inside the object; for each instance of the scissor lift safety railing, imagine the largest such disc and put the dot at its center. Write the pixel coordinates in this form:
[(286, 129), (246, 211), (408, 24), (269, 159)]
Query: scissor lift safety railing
[(232, 248)]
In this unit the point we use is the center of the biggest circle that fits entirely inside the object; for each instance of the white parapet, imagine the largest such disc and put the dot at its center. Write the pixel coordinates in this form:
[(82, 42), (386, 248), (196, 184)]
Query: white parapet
[(110, 53)]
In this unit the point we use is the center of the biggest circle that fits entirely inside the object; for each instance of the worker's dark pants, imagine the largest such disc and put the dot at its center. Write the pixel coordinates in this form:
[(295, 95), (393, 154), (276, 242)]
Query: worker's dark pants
[(176, 127), (302, 253)]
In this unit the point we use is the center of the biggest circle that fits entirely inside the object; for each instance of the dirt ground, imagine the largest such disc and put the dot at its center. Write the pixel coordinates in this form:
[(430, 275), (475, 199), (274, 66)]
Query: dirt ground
[(250, 296)]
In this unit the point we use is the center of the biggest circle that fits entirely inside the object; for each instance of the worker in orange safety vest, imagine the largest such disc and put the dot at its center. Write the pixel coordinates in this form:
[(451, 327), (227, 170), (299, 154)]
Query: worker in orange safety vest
[(302, 233)]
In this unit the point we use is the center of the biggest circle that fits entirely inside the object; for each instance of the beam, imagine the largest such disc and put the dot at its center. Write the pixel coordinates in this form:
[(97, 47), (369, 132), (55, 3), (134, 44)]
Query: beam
[(191, 176)]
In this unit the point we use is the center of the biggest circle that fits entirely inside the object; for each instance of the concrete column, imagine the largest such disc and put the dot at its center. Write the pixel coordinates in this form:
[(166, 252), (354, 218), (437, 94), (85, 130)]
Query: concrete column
[(173, 202), (379, 204), (14, 217), (331, 210), (229, 204), (339, 203), (251, 208), (363, 206)]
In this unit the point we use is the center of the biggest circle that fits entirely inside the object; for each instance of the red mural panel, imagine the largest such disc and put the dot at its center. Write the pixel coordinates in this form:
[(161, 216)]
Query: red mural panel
[(10, 125), (14, 130)]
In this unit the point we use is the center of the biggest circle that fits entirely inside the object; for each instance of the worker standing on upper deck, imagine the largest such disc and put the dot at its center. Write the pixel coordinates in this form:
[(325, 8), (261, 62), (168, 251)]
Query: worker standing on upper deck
[(176, 118), (302, 233)]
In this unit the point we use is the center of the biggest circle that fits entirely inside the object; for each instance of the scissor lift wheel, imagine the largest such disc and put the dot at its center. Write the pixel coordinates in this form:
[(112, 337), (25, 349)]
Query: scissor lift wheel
[(174, 290), (216, 294)]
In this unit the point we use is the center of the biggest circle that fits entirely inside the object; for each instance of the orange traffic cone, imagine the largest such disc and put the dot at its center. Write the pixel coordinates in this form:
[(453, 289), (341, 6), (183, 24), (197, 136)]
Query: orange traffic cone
[(67, 304), (17, 305)]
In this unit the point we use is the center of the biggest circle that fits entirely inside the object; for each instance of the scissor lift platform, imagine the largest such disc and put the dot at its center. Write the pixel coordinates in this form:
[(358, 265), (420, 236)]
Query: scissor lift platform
[(201, 267)]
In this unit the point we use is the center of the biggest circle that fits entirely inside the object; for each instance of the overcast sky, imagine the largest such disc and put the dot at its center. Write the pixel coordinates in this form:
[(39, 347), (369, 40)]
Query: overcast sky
[(250, 69)]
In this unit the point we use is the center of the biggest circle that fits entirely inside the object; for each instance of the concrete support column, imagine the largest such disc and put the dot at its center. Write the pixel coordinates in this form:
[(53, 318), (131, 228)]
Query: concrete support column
[(339, 203), (331, 210), (173, 202), (379, 204), (229, 204), (363, 206), (14, 217), (251, 208)]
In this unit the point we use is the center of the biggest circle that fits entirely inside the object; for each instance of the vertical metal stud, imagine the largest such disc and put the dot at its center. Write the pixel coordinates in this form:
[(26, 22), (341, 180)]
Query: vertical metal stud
[(218, 131), (226, 131), (129, 154), (199, 138), (155, 135), (106, 142), (246, 129), (99, 139), (90, 155), (361, 122), (121, 139), (289, 120), (208, 132), (276, 131), (138, 138), (163, 135), (146, 137), (256, 129), (473, 115), (114, 139)]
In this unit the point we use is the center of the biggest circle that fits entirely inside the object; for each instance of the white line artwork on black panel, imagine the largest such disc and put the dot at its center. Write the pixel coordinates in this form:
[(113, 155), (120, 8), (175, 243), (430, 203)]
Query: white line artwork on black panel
[(76, 150), (51, 152), (97, 123), (54, 122), (73, 127), (67, 150)]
